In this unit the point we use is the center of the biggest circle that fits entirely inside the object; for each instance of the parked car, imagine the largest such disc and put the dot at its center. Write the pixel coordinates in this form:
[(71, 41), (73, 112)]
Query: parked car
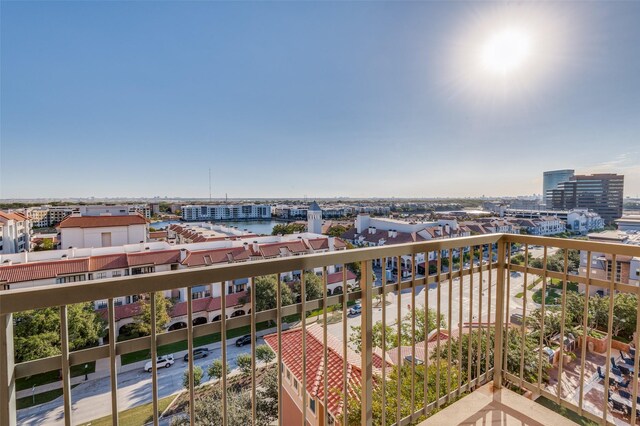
[(197, 353), (244, 340), (410, 360), (165, 361), (355, 309)]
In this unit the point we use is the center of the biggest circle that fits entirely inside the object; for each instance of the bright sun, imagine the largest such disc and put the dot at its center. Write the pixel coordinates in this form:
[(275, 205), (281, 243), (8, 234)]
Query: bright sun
[(505, 51)]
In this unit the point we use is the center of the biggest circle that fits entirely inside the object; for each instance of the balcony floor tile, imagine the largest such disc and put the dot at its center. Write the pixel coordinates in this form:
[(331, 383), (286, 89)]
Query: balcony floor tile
[(486, 406)]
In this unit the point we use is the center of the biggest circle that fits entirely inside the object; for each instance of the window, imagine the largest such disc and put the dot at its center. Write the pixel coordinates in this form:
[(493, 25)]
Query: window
[(312, 405), (295, 384), (142, 270), (70, 279), (99, 275), (116, 274), (289, 375)]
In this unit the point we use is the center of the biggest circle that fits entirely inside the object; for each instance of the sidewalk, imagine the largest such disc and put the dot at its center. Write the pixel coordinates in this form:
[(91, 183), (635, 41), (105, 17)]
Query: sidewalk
[(103, 371)]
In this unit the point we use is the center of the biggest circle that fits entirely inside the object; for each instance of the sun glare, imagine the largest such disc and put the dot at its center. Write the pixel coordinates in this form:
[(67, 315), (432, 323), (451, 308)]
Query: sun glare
[(506, 51)]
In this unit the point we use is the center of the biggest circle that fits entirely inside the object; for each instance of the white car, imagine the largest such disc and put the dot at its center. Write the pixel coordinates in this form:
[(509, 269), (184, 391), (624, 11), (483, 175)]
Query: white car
[(165, 361)]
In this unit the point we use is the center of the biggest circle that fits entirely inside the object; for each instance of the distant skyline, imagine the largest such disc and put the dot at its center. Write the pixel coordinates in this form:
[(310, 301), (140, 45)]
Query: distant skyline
[(323, 99)]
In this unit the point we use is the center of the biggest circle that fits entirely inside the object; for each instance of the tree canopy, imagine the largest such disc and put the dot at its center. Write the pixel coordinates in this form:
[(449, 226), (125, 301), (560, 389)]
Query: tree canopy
[(288, 228), (142, 322), (266, 288), (37, 332)]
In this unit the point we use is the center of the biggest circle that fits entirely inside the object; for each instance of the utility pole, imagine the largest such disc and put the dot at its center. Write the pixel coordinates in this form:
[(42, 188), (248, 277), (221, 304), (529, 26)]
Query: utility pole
[(209, 184)]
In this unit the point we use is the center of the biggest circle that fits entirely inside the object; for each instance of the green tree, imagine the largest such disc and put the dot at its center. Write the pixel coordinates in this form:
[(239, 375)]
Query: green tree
[(243, 361), (208, 405), (266, 291), (314, 289), (264, 353), (425, 323), (143, 321), (216, 368), (391, 336), (288, 228), (37, 332), (336, 231), (402, 374), (197, 376)]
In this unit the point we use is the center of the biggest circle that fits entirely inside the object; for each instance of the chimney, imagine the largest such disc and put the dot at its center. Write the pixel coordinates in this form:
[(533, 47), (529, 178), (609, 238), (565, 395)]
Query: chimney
[(390, 233), (255, 246), (183, 254), (246, 246)]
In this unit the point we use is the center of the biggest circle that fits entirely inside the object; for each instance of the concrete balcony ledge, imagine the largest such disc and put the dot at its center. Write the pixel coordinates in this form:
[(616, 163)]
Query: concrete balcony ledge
[(489, 406)]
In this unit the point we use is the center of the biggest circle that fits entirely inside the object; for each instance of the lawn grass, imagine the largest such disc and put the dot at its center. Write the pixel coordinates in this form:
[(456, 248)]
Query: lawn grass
[(565, 412), (52, 376), (39, 398), (198, 341), (557, 284), (551, 299), (140, 415)]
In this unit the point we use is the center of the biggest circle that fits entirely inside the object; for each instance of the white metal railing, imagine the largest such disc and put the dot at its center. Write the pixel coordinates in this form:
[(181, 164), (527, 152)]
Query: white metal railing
[(488, 312)]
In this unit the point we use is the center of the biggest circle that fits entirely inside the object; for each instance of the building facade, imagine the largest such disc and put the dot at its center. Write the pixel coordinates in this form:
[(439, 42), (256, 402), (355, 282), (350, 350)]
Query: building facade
[(226, 212), (552, 178), (15, 233), (601, 193), (102, 231)]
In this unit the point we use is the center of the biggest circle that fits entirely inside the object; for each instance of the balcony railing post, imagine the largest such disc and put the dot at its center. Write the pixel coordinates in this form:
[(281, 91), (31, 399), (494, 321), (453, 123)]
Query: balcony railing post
[(8, 384), (499, 324), (366, 284)]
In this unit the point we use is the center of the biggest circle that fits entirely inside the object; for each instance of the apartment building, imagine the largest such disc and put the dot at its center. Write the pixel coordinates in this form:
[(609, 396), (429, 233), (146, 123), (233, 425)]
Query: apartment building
[(15, 232), (102, 231), (47, 216), (86, 264), (226, 212), (583, 221)]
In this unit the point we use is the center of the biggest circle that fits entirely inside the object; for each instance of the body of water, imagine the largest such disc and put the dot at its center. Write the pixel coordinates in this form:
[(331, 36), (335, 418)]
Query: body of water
[(255, 226)]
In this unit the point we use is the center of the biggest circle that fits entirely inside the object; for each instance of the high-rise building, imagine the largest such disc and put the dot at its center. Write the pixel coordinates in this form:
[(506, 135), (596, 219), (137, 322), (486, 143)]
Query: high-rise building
[(601, 193), (552, 178)]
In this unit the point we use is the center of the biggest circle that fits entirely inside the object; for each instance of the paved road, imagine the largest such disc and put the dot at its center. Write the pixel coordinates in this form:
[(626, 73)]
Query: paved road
[(92, 399)]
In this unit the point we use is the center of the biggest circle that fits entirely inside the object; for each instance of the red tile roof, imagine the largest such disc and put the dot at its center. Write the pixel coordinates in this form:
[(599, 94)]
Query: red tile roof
[(270, 250), (44, 270), (158, 234), (336, 277), (319, 243), (160, 257), (207, 304), (315, 369), (123, 311), (13, 216), (223, 255), (339, 244), (102, 221)]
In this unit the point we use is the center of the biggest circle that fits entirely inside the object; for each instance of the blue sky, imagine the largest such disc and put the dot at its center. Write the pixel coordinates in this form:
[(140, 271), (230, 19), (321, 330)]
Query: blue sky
[(322, 99)]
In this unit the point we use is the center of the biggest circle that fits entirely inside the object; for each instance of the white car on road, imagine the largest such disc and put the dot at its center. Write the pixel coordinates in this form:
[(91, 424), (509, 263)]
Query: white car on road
[(165, 361)]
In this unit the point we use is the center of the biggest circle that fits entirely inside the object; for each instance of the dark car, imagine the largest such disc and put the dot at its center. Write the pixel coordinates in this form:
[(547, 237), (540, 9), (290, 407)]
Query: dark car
[(244, 340), (197, 353)]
